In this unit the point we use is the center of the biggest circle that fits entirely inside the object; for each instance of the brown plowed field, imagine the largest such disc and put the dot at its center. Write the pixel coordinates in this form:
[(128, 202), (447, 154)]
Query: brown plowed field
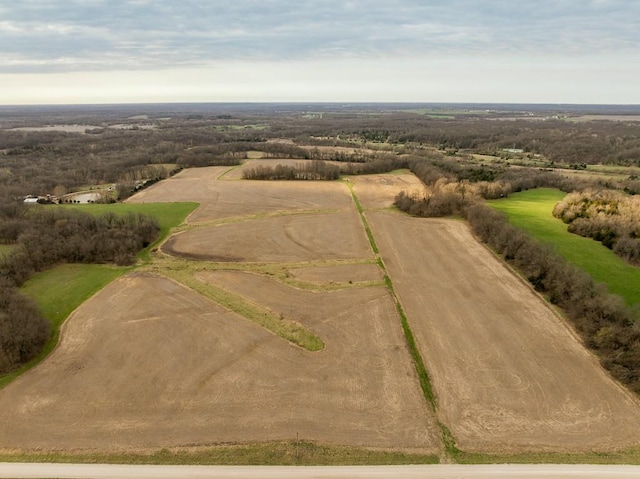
[(342, 273), (280, 239), (508, 374), (379, 191), (147, 363), (223, 199)]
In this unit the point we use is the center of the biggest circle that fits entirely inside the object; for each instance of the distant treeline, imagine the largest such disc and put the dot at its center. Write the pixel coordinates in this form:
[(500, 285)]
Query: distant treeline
[(308, 170), (56, 162), (42, 238), (557, 140), (321, 170)]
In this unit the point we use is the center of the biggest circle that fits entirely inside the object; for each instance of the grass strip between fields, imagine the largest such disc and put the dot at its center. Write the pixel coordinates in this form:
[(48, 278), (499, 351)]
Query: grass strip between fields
[(447, 438), (281, 453), (365, 223), (285, 328)]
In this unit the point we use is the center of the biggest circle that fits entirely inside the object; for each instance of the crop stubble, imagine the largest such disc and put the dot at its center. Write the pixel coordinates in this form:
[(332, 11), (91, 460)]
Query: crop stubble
[(508, 374), (167, 367), (148, 363)]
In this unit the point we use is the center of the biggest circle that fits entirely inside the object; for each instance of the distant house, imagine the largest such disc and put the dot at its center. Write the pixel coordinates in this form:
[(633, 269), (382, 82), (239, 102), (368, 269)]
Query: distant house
[(31, 199), (513, 150)]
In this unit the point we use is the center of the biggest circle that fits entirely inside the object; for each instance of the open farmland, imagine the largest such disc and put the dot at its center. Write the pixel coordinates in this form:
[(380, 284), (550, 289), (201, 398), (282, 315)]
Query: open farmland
[(241, 199), (149, 363), (192, 349), (508, 374), (288, 238), (379, 191), (167, 367)]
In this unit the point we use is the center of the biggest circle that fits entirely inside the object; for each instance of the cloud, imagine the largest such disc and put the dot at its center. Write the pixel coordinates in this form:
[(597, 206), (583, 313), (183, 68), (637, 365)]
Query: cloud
[(77, 35), (55, 51)]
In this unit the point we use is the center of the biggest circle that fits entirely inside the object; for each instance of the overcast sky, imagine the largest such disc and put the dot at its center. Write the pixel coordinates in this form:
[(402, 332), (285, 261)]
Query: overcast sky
[(105, 51)]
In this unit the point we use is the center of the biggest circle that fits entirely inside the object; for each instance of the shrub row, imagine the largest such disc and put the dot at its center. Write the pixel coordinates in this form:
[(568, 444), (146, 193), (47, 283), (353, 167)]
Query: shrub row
[(308, 170)]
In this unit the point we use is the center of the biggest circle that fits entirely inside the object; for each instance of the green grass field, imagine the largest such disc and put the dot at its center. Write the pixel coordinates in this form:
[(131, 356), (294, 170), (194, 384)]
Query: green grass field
[(532, 211)]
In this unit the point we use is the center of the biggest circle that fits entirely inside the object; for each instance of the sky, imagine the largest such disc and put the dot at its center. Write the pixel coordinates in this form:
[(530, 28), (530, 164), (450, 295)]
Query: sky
[(139, 51)]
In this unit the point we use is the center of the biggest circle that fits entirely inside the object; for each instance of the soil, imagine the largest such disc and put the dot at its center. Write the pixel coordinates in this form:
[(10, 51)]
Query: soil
[(148, 363), (508, 372), (221, 199), (379, 191), (313, 237), (341, 273)]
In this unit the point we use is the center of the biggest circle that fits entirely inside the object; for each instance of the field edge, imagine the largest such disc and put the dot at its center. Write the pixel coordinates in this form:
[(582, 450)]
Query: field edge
[(283, 453)]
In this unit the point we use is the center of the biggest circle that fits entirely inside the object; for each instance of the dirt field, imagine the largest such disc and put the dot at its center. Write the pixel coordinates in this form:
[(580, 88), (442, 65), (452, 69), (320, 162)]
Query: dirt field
[(379, 191), (167, 367), (281, 239), (338, 273), (148, 363), (508, 374), (226, 199)]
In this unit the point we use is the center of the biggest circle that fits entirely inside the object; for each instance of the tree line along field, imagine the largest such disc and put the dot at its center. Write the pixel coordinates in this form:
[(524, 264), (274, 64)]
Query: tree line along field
[(316, 310)]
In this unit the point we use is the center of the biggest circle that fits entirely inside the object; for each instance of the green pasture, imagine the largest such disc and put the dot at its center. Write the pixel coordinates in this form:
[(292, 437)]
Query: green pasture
[(532, 211)]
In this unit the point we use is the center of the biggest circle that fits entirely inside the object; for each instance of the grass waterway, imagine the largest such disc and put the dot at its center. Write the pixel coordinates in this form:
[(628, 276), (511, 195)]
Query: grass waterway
[(532, 211), (285, 328)]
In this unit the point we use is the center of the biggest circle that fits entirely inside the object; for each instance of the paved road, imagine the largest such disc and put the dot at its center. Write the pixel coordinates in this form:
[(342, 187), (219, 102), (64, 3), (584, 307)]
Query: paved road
[(111, 471)]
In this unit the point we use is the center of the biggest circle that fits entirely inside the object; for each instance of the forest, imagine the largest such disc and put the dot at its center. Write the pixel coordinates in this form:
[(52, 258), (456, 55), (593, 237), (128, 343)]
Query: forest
[(463, 157)]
